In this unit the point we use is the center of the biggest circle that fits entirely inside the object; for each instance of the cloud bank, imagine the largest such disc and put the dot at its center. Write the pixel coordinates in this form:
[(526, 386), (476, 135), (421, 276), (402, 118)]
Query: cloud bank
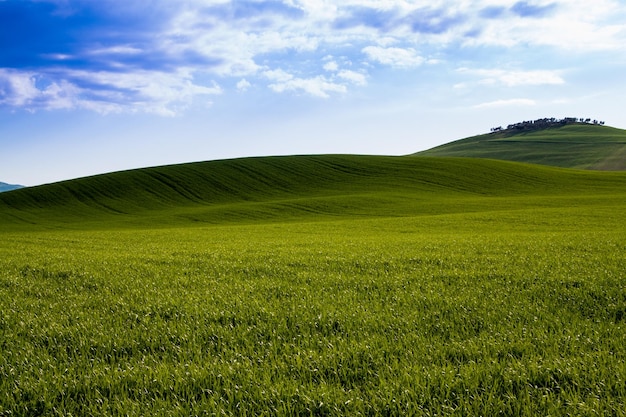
[(163, 57)]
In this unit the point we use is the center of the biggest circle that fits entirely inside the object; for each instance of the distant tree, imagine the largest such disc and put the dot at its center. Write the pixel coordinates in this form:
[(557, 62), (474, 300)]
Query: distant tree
[(544, 123)]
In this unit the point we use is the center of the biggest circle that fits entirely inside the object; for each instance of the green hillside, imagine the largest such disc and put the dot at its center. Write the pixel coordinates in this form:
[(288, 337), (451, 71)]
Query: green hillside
[(316, 285), (288, 188), (579, 145)]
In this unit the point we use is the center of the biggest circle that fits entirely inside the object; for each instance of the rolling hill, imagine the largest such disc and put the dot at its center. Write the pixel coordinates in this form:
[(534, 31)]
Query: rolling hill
[(299, 188), (576, 145), (316, 285)]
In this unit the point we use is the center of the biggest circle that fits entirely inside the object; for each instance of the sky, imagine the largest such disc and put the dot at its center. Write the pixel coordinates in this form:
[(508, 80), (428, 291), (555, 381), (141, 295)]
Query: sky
[(90, 87)]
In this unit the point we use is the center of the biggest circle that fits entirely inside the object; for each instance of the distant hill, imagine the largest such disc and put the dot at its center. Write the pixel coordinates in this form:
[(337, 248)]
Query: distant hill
[(280, 189), (8, 187), (568, 145)]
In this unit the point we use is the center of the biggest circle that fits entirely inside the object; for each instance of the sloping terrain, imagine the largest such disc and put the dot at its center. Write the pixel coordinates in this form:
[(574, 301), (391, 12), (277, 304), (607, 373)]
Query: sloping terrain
[(292, 188), (579, 145), (316, 285)]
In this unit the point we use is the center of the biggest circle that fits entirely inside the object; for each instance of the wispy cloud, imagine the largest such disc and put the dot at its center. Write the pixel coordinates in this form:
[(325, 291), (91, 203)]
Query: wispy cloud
[(145, 56), (331, 66), (515, 102), (529, 9), (103, 92), (376, 18), (513, 78), (253, 10), (319, 86), (395, 57), (243, 85), (353, 76), (573, 25), (399, 16)]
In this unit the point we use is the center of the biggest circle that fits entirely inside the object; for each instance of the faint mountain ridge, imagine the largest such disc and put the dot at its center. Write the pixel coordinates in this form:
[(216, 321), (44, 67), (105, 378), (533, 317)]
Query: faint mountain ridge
[(566, 143), (8, 187)]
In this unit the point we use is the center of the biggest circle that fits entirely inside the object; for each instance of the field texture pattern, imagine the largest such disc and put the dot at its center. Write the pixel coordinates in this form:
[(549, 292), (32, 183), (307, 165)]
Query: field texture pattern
[(428, 305)]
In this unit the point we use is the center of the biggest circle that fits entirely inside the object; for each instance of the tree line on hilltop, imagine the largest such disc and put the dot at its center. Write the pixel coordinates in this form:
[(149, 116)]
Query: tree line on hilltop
[(544, 123)]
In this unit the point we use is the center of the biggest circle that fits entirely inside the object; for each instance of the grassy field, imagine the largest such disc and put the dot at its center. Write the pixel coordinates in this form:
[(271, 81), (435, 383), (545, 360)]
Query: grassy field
[(580, 146), (343, 286), (289, 188)]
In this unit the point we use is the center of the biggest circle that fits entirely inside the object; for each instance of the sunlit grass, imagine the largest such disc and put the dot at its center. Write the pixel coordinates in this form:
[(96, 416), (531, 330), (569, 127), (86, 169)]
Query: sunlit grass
[(451, 314), (581, 146), (446, 287), (291, 188)]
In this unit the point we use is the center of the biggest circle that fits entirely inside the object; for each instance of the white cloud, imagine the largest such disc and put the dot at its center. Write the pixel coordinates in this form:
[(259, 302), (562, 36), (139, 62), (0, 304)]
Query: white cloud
[(515, 78), (395, 57), (196, 38), (243, 85), (516, 102), (144, 91), (571, 25), (331, 66), (116, 50), (58, 57), (17, 88), (316, 86), (154, 92), (277, 75), (353, 76)]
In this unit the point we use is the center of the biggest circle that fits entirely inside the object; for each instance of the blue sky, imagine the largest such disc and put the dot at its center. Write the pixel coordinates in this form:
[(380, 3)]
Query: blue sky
[(88, 87)]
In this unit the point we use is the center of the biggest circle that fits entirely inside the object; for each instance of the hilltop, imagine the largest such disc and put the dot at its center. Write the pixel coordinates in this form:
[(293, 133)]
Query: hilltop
[(568, 143)]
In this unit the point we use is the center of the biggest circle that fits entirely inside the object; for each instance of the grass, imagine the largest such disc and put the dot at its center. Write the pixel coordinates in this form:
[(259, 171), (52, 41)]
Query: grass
[(279, 188), (578, 146), (343, 286)]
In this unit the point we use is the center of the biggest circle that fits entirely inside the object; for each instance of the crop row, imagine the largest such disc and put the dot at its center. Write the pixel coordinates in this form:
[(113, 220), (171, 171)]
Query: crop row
[(445, 315)]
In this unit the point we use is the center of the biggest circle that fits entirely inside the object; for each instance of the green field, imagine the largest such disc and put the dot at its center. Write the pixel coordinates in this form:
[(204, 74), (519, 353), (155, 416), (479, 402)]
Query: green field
[(580, 146), (316, 285)]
